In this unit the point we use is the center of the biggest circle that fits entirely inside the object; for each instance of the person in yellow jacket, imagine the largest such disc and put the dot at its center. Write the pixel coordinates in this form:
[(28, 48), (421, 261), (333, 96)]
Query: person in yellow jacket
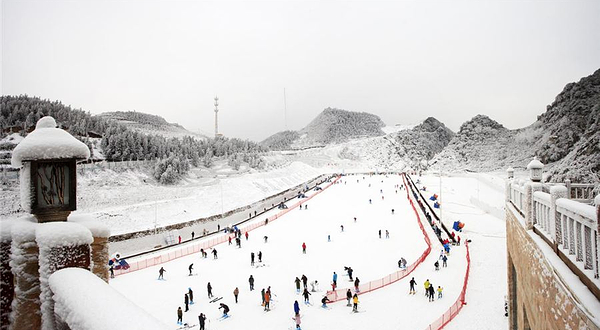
[(439, 290), (427, 284), (355, 301)]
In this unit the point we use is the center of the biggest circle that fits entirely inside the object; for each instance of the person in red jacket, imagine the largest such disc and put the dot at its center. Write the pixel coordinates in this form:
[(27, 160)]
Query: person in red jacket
[(304, 248)]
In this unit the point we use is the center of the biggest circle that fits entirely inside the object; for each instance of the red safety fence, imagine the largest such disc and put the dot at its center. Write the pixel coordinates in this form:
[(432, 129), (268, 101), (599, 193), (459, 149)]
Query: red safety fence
[(340, 294), (209, 243), (451, 313)]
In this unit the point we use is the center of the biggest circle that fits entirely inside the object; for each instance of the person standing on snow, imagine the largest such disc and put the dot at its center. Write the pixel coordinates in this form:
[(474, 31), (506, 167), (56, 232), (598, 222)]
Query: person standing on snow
[(262, 295), (251, 258), (246, 235), (379, 233), (190, 268), (251, 281), (186, 301), (437, 265), (412, 286), (209, 289), (235, 294), (439, 291), (426, 285), (431, 293), (305, 294), (296, 308), (304, 248), (201, 320), (297, 280), (356, 283), (267, 300), (161, 272), (355, 301), (191, 295), (304, 281), (179, 315), (444, 261), (350, 271), (260, 256), (214, 252), (334, 279), (387, 234), (348, 297)]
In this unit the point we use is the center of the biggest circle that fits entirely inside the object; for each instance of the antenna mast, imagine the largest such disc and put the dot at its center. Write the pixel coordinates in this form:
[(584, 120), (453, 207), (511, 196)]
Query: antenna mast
[(216, 116)]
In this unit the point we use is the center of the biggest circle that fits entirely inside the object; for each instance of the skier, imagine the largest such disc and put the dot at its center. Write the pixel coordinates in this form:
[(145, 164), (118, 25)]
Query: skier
[(304, 281), (190, 268), (260, 256), (267, 300), (225, 310), (298, 321), (246, 235), (201, 320), (355, 301), (350, 271), (348, 297), (439, 290), (426, 285), (444, 261), (342, 226), (235, 294), (334, 278), (296, 308), (303, 247), (305, 294), (387, 234), (437, 265), (431, 293), (186, 301), (324, 301), (179, 316), (356, 283), (297, 280), (379, 233), (251, 258), (251, 281), (191, 295), (412, 286), (209, 289), (214, 252), (161, 272)]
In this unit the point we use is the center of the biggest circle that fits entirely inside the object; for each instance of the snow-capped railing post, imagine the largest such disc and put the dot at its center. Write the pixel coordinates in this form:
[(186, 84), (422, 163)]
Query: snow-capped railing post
[(535, 174), (25, 314), (556, 229), (507, 191), (6, 276), (99, 247), (61, 245)]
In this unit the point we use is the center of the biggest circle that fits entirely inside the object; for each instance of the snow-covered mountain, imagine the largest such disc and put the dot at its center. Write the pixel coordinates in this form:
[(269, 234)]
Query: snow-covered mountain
[(149, 124), (330, 126)]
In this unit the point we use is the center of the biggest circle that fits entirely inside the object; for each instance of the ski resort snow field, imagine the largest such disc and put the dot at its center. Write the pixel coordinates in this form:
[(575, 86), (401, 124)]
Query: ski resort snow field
[(358, 246)]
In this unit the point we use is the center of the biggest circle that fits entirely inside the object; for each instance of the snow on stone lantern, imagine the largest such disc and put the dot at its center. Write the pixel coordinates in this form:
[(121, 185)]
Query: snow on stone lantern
[(510, 172), (47, 159), (535, 170)]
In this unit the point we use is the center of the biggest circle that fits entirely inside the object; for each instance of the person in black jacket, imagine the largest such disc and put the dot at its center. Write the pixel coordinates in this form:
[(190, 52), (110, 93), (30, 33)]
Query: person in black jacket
[(349, 297), (225, 309), (209, 289), (201, 320)]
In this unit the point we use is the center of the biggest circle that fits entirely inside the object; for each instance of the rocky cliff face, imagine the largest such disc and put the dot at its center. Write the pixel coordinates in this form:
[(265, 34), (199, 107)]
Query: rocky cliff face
[(569, 132), (423, 141)]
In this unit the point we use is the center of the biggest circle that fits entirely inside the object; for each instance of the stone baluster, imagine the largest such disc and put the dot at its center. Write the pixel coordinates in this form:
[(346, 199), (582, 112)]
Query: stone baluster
[(556, 229)]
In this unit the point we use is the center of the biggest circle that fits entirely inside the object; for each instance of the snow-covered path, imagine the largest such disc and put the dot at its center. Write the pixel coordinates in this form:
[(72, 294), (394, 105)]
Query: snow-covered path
[(358, 246)]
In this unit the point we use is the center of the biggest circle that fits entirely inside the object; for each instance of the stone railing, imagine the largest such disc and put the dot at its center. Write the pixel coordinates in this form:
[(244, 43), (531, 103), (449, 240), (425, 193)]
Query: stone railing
[(569, 226)]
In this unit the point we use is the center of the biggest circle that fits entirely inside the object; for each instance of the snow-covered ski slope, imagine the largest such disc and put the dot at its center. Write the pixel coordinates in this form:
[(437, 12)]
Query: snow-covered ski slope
[(358, 246)]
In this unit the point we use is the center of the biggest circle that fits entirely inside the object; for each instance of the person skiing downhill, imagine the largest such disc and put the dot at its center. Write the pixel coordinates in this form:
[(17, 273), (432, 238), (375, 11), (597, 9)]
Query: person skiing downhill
[(297, 280), (209, 289), (251, 282), (201, 320), (161, 272), (412, 286), (225, 310), (305, 294), (348, 297), (179, 315)]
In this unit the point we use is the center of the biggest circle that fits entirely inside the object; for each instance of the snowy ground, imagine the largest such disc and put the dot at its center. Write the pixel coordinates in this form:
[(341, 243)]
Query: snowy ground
[(358, 246)]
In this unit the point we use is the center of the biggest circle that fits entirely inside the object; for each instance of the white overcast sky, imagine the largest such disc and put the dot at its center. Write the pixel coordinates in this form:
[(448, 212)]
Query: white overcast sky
[(401, 60)]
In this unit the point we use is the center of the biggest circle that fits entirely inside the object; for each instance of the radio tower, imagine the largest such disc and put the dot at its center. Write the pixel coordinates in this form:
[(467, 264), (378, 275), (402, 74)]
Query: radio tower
[(216, 117)]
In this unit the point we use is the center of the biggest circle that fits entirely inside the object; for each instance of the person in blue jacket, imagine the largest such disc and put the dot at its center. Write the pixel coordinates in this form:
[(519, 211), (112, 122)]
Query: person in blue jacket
[(296, 308)]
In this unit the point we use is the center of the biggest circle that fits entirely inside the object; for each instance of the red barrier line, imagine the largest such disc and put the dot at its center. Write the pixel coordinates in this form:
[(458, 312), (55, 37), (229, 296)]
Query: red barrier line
[(214, 241), (460, 301), (340, 294)]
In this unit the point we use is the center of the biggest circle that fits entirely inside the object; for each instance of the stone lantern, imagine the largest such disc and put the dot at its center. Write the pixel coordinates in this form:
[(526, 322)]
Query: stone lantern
[(535, 170), (510, 172), (47, 159)]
